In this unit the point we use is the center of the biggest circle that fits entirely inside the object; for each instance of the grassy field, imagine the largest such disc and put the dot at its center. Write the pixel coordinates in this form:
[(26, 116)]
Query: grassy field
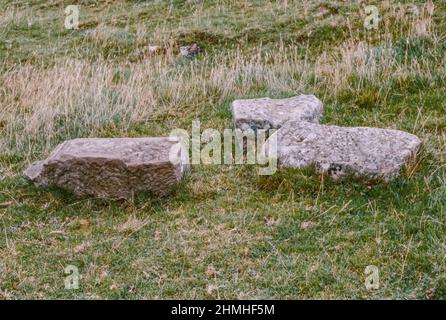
[(226, 232)]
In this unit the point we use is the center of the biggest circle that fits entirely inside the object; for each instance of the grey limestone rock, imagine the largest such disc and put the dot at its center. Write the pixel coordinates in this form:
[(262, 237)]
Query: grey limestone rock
[(266, 113), (113, 168), (341, 151)]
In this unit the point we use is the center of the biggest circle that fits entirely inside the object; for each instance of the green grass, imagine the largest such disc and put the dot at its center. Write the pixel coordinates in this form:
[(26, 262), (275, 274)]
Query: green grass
[(226, 232)]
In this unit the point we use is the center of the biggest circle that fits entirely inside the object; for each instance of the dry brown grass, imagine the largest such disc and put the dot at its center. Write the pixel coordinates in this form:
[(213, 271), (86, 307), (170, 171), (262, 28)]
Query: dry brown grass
[(43, 105)]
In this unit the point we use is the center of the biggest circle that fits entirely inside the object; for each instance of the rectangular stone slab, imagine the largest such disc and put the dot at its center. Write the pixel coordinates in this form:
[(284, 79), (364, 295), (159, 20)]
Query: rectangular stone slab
[(372, 153), (113, 167), (266, 113)]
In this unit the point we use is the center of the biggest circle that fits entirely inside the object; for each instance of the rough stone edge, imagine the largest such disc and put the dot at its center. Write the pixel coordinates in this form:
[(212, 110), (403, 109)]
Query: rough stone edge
[(34, 170)]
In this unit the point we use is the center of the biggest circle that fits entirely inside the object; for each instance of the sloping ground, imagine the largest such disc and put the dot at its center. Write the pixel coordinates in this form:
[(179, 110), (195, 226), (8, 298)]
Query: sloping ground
[(227, 232)]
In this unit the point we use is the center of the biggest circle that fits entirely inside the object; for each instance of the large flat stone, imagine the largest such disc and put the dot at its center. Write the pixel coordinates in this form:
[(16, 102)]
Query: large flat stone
[(266, 113), (339, 151), (113, 168)]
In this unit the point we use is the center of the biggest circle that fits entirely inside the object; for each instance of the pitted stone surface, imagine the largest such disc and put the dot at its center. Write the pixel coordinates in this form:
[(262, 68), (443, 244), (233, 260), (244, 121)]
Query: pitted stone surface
[(340, 151), (266, 113), (112, 168)]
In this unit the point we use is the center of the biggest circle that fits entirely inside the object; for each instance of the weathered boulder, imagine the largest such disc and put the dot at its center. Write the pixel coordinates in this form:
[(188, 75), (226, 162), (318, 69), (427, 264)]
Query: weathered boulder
[(339, 151), (266, 113), (190, 51), (113, 168)]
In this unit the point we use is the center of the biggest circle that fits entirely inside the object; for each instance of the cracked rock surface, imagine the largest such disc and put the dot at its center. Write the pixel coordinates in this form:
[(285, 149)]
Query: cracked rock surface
[(342, 151), (112, 168), (266, 113)]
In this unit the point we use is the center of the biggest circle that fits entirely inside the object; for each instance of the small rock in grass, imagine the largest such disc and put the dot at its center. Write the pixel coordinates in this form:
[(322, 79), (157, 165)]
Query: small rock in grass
[(113, 168), (190, 51), (155, 49), (340, 151), (266, 113)]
